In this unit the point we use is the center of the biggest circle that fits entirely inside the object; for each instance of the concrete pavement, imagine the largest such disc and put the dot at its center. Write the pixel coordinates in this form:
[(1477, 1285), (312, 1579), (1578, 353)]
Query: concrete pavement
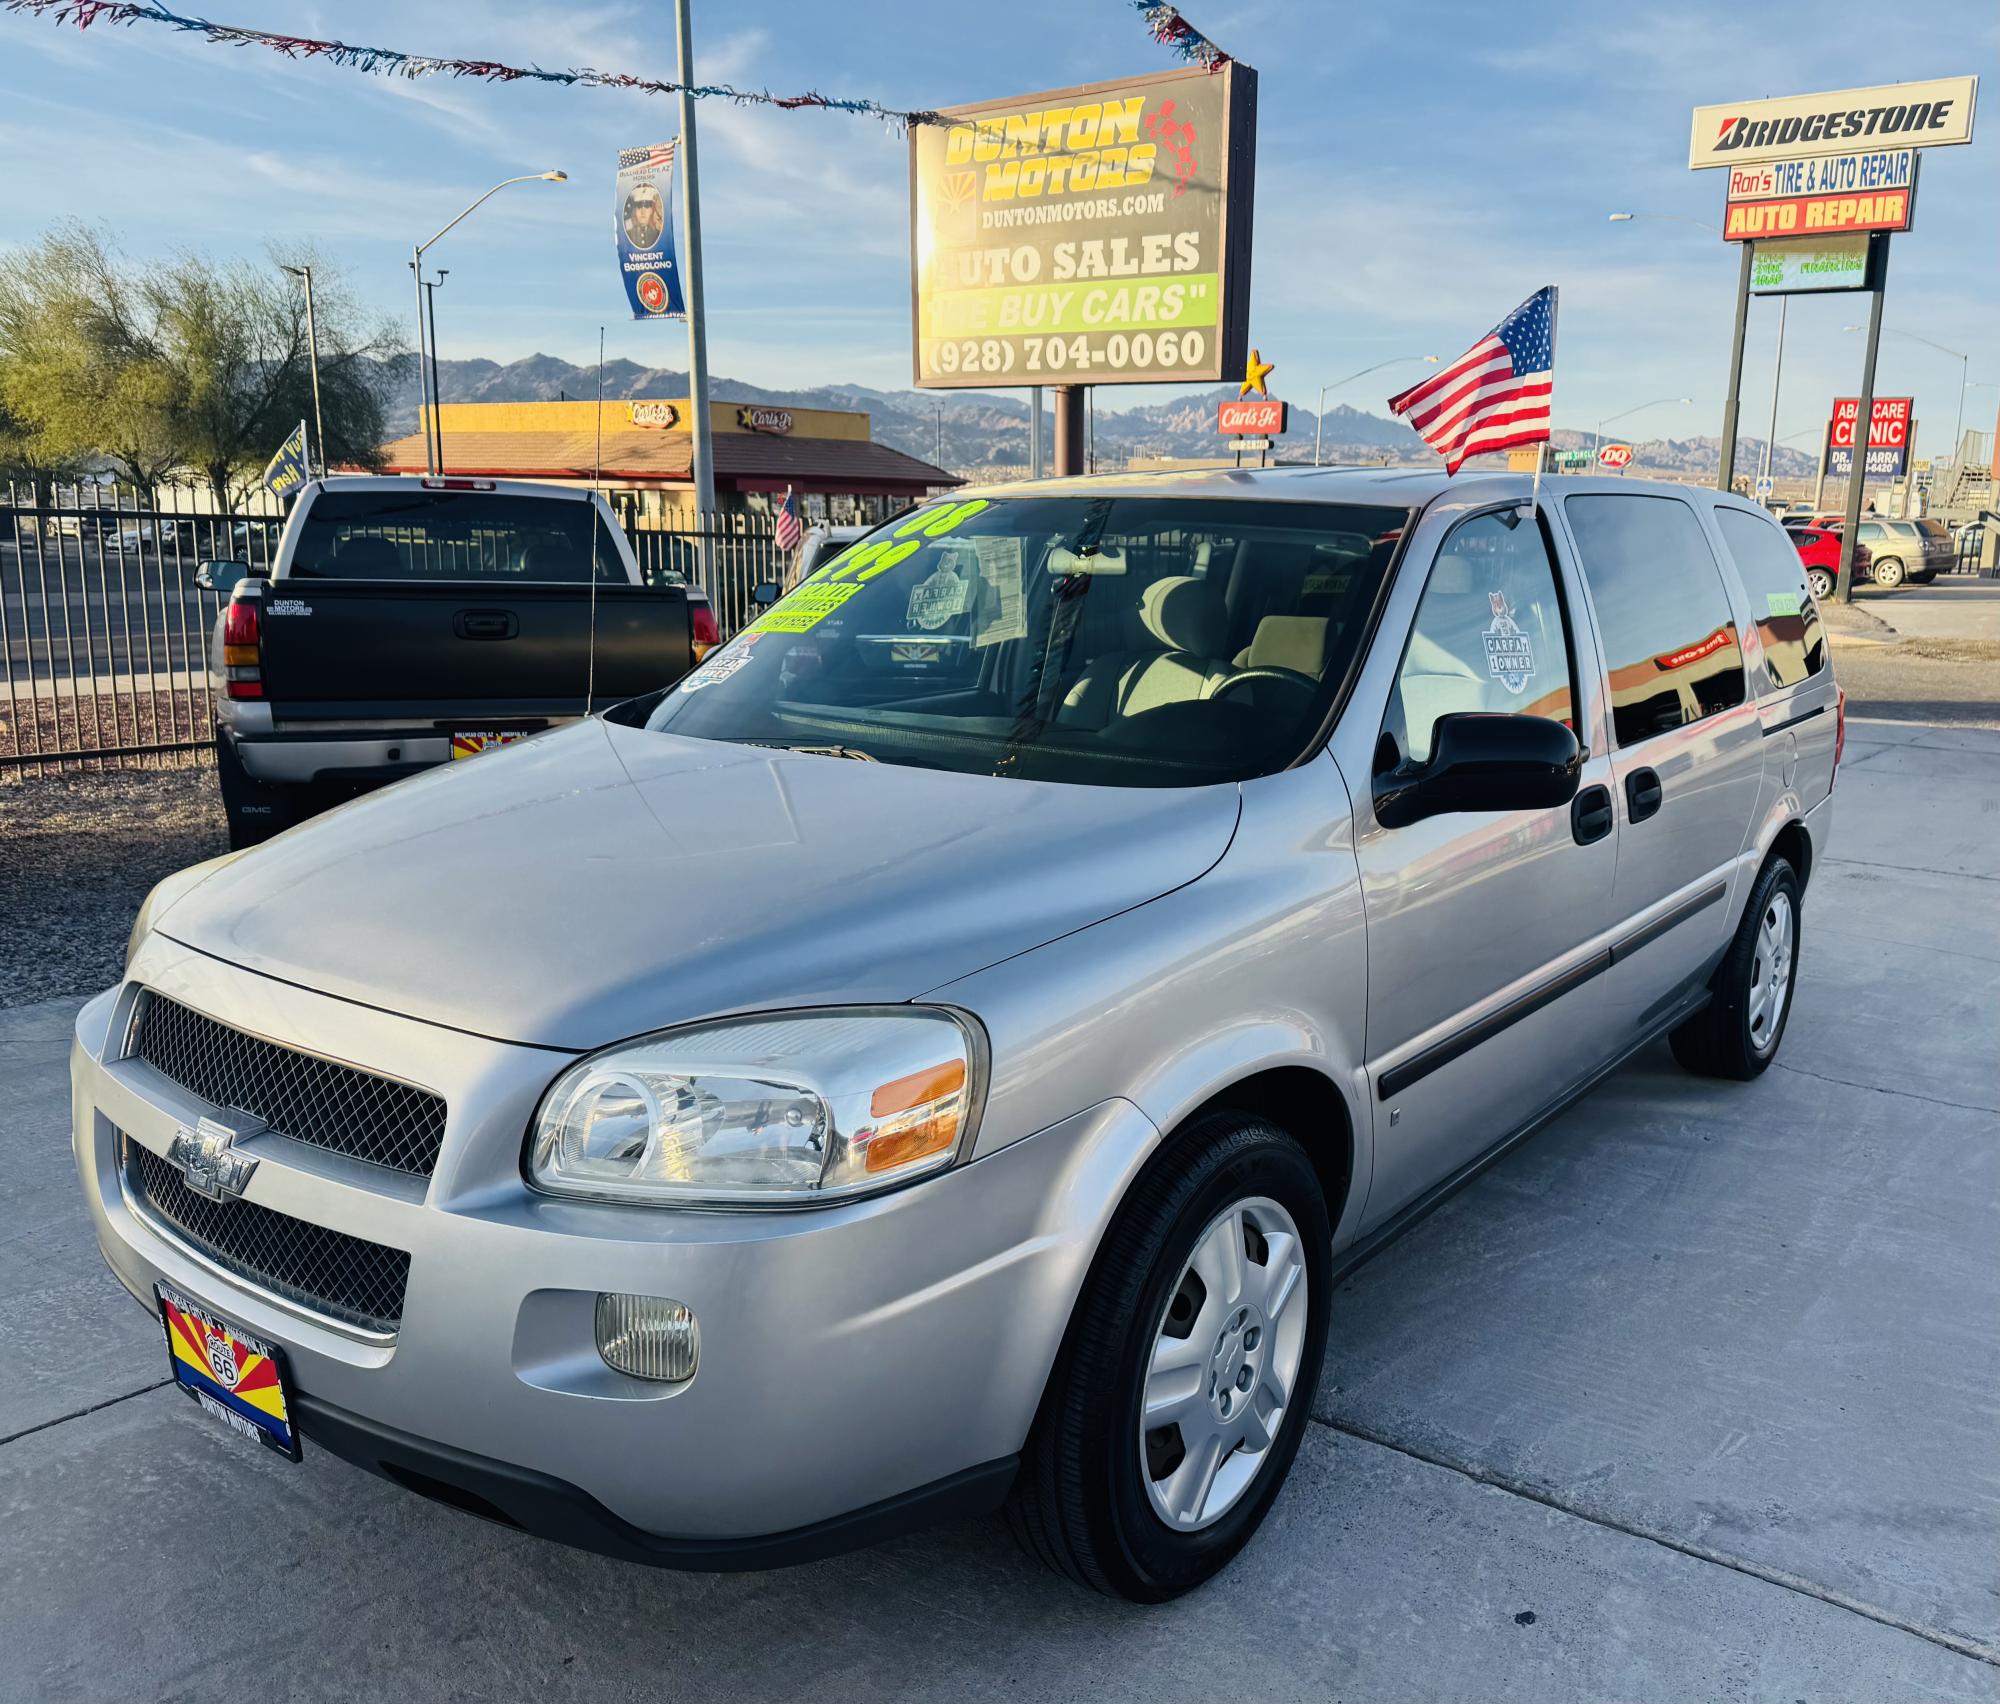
[(1690, 1396)]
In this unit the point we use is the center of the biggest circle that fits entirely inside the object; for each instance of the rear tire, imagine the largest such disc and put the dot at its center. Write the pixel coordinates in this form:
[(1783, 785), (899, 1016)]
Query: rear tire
[(1888, 573), (1133, 1428), (1737, 1035), (255, 810)]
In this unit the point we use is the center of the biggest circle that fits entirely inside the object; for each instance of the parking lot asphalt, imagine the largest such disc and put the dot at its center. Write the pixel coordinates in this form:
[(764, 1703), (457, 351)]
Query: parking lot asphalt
[(1691, 1396)]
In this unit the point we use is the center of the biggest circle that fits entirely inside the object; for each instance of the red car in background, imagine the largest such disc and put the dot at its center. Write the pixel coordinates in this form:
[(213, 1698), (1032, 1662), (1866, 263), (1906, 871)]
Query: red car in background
[(1819, 550)]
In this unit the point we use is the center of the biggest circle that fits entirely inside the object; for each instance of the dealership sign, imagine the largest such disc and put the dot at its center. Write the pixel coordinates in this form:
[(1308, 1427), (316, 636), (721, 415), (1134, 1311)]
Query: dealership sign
[(1898, 115), (1809, 263), (1256, 415), (1097, 234), (1615, 456), (1888, 436)]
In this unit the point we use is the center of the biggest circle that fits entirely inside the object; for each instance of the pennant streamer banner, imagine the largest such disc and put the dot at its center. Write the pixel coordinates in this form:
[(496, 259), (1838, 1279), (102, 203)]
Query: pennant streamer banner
[(646, 231), (1167, 25)]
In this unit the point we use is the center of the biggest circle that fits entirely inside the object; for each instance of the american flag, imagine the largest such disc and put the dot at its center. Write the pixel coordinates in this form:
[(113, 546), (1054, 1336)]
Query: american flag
[(789, 532), (1495, 395), (660, 154)]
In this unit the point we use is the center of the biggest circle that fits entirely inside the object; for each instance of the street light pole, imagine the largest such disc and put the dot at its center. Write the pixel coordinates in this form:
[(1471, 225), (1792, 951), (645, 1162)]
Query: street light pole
[(1319, 414), (417, 272), (312, 357), (437, 401), (1597, 437), (1777, 368)]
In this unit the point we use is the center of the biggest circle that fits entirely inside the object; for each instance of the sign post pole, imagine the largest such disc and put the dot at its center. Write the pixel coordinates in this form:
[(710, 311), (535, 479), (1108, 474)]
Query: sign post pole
[(1730, 409), (703, 459), (1864, 420), (1034, 431), (1069, 431), (1777, 372)]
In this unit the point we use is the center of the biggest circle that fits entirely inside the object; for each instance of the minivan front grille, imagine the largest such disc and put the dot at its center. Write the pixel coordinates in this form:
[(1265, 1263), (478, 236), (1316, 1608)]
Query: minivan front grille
[(327, 1272), (299, 1095)]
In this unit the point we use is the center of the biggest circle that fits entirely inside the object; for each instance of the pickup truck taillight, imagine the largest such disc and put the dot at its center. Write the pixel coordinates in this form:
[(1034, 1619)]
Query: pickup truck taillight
[(242, 651), (702, 630)]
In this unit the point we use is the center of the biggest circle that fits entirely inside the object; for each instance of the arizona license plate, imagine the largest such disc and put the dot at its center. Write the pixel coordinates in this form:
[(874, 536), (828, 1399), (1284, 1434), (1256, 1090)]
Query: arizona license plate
[(471, 744), (237, 1378)]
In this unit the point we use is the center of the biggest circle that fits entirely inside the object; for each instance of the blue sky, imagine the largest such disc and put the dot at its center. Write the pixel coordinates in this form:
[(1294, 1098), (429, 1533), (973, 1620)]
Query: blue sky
[(1422, 167)]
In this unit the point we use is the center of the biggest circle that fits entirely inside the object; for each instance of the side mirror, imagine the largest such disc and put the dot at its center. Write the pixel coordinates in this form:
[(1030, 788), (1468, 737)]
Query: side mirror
[(222, 577), (765, 593), (1483, 762)]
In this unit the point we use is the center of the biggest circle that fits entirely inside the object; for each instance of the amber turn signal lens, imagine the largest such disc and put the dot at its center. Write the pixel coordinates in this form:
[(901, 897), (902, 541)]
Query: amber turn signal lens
[(919, 1088), (888, 1149)]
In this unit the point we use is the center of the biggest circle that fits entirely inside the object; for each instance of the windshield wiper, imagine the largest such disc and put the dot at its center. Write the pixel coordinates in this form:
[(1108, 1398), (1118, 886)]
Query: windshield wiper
[(818, 750)]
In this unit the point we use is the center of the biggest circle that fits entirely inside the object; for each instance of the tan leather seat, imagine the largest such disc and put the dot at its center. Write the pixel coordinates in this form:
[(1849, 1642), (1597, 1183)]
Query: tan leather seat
[(1175, 632), (1295, 642)]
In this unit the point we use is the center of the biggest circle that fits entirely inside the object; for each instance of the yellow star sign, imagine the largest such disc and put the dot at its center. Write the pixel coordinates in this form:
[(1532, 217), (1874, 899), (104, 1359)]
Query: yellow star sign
[(1256, 371)]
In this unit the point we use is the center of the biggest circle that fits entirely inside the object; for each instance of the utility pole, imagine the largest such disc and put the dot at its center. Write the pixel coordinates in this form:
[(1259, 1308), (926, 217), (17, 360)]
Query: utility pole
[(1035, 432), (1069, 431), (437, 411), (1864, 416), (1777, 369), (1725, 480), (703, 460), (305, 273)]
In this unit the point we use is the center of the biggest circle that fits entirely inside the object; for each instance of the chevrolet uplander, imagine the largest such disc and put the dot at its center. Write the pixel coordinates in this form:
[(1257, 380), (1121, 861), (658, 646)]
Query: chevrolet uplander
[(943, 1052)]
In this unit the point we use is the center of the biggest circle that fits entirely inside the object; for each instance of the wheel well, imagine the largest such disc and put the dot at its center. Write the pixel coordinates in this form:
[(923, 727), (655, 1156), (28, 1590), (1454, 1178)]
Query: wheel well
[(1795, 846), (1304, 1103)]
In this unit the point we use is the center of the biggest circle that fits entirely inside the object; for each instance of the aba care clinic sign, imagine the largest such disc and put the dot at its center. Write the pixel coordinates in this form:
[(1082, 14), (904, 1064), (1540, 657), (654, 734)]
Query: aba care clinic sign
[(1888, 436), (1098, 234)]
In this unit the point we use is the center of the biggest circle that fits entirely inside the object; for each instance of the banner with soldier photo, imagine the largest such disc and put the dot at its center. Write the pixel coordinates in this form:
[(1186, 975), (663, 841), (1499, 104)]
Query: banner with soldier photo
[(646, 231)]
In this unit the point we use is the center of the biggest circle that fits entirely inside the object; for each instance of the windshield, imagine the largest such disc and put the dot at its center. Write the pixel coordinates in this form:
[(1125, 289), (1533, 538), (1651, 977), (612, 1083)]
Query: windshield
[(1128, 641), (410, 533)]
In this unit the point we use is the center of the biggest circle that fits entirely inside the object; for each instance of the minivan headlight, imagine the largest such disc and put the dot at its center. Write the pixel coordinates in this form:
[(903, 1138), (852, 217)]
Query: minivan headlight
[(790, 1108)]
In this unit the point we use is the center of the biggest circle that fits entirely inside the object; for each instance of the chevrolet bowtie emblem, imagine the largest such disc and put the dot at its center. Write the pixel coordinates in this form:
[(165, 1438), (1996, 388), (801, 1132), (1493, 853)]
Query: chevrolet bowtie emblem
[(207, 1159)]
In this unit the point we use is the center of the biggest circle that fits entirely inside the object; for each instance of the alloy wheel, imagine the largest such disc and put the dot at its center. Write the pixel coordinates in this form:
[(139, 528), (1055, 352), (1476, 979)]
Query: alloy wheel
[(1770, 972)]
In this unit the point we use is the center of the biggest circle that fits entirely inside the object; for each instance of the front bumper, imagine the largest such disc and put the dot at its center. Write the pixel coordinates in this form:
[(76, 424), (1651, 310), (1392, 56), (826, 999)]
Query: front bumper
[(860, 1364)]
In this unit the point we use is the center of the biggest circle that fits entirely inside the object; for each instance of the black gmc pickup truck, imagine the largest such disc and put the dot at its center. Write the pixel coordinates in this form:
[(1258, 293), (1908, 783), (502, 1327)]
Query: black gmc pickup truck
[(407, 622)]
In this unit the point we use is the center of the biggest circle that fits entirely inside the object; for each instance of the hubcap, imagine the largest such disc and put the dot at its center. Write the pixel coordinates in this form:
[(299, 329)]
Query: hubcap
[(1226, 1356), (1771, 972)]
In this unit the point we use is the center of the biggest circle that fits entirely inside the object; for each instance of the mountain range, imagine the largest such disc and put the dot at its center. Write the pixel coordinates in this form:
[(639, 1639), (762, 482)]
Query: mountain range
[(977, 432)]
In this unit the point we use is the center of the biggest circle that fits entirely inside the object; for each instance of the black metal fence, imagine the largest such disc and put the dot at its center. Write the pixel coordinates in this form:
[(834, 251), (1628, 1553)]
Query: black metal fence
[(104, 632)]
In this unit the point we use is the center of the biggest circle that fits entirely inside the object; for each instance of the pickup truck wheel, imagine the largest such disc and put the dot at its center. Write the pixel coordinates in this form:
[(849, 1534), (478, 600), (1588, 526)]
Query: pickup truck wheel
[(1737, 1035), (1187, 1377), (254, 809)]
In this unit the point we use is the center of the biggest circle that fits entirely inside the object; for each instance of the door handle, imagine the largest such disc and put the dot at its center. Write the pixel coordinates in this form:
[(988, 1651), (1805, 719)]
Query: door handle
[(1590, 815), (485, 624), (1643, 793)]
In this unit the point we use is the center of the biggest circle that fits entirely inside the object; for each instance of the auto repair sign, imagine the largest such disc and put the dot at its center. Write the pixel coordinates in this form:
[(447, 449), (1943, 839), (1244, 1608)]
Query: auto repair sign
[(1825, 195), (1888, 436), (1935, 114)]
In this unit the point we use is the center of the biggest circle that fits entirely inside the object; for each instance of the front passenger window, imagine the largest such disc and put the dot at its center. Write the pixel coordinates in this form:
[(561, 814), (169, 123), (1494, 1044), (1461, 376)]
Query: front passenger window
[(1488, 635)]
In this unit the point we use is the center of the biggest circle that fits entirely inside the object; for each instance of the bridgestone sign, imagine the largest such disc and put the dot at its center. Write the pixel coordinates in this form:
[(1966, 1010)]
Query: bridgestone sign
[(1098, 235), (1906, 115)]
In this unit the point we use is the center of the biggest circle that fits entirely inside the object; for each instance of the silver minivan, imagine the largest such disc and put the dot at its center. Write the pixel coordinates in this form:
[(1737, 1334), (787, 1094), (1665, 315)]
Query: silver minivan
[(945, 1051)]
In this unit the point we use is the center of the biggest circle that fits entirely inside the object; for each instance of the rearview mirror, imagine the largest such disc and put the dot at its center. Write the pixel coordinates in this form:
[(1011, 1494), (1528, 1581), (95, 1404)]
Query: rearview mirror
[(765, 593), (223, 577), (1483, 762)]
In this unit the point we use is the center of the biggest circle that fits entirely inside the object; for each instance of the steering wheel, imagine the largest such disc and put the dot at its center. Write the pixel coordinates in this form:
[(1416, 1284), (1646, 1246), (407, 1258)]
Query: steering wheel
[(1249, 677)]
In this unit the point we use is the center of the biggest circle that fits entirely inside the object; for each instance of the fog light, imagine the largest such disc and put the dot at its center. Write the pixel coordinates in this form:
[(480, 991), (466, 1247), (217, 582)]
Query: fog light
[(650, 1337)]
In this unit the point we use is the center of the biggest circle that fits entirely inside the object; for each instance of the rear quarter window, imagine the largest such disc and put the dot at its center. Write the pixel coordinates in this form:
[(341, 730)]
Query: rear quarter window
[(1781, 603)]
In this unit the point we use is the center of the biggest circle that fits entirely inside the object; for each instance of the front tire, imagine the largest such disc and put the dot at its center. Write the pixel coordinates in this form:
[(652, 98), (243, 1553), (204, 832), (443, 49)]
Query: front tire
[(1821, 583), (1186, 1380), (1888, 573), (1737, 1034)]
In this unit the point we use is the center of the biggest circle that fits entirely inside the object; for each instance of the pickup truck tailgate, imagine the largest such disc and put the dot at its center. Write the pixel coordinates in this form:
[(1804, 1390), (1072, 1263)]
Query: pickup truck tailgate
[(398, 647)]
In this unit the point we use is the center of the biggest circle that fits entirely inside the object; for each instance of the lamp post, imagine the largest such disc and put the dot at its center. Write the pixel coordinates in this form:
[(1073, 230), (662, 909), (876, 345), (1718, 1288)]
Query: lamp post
[(305, 273), (1319, 414), (1699, 224), (1597, 437), (431, 288), (417, 271)]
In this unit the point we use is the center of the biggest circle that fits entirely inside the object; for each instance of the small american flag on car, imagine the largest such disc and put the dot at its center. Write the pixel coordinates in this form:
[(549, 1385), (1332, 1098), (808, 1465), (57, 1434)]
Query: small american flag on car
[(1496, 395), (788, 532), (660, 154)]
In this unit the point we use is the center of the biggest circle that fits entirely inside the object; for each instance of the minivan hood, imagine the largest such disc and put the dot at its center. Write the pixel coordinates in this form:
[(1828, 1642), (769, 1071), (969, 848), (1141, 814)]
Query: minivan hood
[(603, 880)]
